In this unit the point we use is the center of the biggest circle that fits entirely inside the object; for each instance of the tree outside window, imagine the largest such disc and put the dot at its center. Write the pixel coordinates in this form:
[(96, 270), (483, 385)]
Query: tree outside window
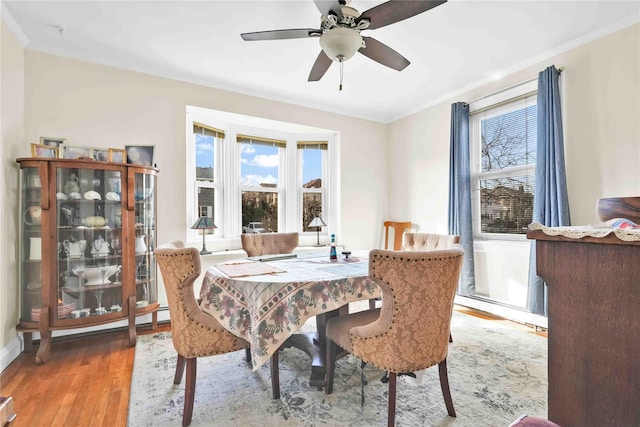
[(506, 177)]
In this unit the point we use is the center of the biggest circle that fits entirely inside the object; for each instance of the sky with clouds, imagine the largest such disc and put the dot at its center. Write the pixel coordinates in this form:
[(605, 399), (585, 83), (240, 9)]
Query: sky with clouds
[(259, 163)]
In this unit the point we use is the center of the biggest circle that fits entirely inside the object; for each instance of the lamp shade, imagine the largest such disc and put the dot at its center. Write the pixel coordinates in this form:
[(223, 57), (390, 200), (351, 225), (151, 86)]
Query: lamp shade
[(340, 43), (204, 223), (317, 222)]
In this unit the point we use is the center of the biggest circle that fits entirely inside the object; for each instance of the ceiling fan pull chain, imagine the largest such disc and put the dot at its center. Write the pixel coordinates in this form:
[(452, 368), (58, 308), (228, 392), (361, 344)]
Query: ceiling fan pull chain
[(341, 71)]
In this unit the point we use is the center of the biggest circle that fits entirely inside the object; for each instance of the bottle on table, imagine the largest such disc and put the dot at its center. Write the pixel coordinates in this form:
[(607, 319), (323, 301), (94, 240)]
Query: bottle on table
[(333, 254)]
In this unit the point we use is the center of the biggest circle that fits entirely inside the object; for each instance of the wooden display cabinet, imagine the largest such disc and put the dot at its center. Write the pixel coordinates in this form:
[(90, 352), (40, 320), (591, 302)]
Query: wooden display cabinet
[(88, 231)]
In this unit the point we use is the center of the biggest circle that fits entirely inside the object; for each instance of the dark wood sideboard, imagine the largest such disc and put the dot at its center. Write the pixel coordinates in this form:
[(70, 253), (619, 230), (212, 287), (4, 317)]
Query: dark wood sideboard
[(594, 329)]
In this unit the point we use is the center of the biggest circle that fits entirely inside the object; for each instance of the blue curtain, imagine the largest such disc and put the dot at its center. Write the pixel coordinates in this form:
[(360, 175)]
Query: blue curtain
[(550, 202), (460, 194)]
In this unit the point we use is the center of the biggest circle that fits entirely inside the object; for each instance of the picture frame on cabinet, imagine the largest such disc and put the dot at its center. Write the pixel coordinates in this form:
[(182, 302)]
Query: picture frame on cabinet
[(117, 155), (69, 152), (52, 141), (140, 154), (100, 154), (41, 150)]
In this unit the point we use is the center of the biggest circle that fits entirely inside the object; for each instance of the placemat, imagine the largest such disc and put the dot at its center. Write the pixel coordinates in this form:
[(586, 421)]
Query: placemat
[(248, 268)]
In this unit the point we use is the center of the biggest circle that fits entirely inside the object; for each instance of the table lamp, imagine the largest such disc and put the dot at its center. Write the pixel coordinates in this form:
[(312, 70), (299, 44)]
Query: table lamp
[(204, 223), (317, 222)]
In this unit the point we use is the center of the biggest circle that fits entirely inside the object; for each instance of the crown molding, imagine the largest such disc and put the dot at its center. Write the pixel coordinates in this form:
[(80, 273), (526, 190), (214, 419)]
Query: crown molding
[(13, 26)]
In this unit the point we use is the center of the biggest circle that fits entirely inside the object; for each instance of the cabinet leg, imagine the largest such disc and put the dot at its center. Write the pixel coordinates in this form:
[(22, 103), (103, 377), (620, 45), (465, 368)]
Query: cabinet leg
[(154, 320), (27, 338), (132, 320), (45, 336)]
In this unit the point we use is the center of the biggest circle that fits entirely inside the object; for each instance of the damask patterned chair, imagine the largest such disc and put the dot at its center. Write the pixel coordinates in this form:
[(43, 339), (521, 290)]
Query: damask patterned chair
[(410, 331), (194, 333), (269, 243), (429, 241)]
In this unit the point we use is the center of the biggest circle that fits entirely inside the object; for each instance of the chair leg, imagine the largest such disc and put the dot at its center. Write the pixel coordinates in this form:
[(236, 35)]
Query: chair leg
[(189, 391), (179, 370), (247, 354), (275, 375), (391, 418), (444, 385), (450, 337), (330, 365), (372, 304)]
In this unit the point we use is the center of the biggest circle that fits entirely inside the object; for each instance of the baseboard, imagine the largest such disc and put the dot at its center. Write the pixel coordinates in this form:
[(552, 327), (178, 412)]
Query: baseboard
[(163, 315), (503, 311), (10, 352)]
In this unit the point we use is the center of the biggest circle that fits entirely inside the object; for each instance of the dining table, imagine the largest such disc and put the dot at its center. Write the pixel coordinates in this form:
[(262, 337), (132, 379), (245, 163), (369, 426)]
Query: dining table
[(266, 300)]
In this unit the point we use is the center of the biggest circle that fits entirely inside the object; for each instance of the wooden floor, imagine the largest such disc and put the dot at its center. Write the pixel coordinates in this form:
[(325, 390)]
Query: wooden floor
[(86, 381)]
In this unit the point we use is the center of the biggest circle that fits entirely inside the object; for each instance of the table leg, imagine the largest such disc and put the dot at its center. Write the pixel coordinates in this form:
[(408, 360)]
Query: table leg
[(312, 343)]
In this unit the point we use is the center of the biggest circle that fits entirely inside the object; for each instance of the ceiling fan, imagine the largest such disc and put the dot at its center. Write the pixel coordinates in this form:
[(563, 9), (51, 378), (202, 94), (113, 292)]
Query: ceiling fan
[(340, 28)]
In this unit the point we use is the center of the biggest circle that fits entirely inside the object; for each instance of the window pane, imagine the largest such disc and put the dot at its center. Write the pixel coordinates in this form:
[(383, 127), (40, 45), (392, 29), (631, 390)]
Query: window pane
[(258, 206), (205, 157), (311, 208), (509, 139), (506, 204), (206, 202), (312, 168), (259, 165)]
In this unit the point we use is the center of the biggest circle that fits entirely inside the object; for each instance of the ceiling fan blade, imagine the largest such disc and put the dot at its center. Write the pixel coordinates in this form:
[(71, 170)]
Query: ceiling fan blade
[(298, 33), (327, 6), (396, 10), (322, 64), (383, 54)]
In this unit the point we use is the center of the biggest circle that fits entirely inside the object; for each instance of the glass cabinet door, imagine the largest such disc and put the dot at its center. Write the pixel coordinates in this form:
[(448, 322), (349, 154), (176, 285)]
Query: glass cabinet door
[(89, 238), (31, 244), (145, 226)]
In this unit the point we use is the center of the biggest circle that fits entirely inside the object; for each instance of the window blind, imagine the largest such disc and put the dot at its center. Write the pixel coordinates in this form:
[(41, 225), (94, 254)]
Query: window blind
[(199, 128), (317, 145), (247, 139)]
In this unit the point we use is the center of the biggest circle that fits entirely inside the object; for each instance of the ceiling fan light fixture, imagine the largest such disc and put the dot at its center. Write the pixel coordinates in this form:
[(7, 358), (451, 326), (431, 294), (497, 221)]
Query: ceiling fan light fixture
[(340, 43)]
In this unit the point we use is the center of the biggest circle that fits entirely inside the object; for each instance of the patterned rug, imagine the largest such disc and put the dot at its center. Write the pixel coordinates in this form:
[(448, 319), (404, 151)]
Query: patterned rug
[(496, 373)]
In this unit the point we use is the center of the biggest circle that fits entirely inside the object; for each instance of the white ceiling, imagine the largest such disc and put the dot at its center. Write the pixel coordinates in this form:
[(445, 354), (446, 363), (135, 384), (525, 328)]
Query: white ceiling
[(452, 48)]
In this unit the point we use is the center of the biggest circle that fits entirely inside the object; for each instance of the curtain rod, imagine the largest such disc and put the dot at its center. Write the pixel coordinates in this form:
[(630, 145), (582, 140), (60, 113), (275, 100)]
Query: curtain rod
[(560, 70)]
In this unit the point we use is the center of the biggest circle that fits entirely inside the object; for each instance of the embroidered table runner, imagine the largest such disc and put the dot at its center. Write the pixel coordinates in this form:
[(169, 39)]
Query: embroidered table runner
[(578, 232)]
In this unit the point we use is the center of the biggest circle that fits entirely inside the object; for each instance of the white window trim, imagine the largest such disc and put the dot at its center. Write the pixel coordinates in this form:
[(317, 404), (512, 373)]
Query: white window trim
[(228, 216), (326, 183), (476, 156)]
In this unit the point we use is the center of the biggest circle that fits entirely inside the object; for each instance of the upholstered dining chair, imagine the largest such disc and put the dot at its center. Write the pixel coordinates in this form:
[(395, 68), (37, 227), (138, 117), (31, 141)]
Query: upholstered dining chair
[(194, 332), (429, 241), (397, 229), (269, 243), (411, 329)]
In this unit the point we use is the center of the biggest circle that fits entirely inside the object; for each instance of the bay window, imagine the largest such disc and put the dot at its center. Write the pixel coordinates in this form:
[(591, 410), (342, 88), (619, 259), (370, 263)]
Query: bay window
[(251, 174)]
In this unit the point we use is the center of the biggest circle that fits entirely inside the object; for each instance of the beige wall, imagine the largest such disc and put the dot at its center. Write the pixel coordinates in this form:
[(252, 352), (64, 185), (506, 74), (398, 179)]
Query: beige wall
[(12, 135), (601, 108), (95, 105)]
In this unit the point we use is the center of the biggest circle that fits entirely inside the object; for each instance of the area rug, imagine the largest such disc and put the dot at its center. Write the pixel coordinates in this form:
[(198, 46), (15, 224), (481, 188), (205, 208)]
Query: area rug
[(496, 373)]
